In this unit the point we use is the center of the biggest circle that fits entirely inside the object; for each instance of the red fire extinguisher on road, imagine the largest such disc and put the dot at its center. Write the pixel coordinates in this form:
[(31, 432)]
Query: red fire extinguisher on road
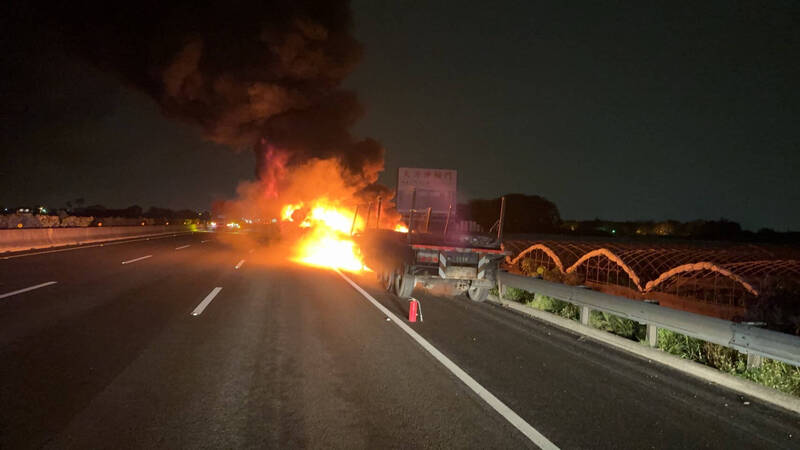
[(413, 310)]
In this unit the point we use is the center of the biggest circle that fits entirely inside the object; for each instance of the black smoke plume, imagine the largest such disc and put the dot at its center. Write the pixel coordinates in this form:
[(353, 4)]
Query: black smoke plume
[(250, 74)]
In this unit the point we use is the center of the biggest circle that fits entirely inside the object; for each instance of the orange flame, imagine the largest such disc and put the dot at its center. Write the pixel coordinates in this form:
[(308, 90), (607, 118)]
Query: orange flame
[(327, 241), (288, 211), (401, 228)]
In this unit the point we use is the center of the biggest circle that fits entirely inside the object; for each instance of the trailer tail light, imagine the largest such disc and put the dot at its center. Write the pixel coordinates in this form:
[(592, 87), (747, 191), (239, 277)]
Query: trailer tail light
[(430, 257)]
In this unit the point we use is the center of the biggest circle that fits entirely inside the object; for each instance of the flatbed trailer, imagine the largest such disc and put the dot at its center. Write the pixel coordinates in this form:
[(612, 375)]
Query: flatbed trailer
[(465, 261)]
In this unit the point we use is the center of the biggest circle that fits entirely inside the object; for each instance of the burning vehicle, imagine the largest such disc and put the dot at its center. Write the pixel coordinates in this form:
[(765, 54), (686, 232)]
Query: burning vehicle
[(418, 239)]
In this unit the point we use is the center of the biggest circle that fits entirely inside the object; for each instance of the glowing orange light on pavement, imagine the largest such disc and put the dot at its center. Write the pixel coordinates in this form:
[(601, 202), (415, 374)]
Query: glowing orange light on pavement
[(327, 248)]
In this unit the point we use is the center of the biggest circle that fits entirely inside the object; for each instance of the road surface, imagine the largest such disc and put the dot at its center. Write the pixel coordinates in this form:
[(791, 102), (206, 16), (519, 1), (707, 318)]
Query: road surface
[(191, 342)]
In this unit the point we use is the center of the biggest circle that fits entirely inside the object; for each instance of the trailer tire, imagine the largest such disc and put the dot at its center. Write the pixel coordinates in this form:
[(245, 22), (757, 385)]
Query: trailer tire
[(404, 284), (478, 294)]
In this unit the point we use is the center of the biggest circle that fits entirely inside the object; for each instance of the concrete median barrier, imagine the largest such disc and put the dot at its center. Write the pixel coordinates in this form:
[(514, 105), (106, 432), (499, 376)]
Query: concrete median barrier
[(14, 240)]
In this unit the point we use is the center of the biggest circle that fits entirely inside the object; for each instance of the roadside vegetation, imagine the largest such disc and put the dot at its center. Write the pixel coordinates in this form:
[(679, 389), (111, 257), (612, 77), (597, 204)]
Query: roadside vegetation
[(96, 215), (773, 374)]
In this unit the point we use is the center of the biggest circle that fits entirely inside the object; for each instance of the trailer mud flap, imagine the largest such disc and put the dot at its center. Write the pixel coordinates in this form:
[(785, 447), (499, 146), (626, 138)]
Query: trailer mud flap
[(482, 265)]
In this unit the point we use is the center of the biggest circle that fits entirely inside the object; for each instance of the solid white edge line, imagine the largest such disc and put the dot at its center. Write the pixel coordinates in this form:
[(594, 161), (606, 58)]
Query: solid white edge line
[(199, 309), (239, 265), (513, 418), (136, 259), (183, 246), (20, 291)]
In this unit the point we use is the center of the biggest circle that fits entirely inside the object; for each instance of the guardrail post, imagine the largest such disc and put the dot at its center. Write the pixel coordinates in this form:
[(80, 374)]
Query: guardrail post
[(585, 313), (754, 361), (652, 335)]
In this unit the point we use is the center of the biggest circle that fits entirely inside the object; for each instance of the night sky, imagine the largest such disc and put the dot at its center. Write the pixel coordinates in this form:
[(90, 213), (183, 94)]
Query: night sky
[(618, 111)]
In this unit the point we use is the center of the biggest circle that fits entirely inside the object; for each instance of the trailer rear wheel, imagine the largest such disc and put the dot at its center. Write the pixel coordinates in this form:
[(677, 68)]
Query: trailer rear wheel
[(404, 284), (477, 294)]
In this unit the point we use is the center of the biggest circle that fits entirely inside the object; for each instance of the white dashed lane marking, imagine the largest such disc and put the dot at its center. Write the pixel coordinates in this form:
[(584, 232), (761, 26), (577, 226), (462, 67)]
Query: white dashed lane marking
[(199, 309), (20, 291), (136, 259)]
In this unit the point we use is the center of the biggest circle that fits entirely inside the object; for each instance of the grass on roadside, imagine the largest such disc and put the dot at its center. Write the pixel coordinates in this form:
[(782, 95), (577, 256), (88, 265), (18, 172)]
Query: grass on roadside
[(774, 374), (543, 302)]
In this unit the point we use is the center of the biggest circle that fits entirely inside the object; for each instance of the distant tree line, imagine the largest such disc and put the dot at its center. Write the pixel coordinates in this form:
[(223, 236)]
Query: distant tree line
[(524, 214), (722, 229), (75, 208), (136, 211), (535, 214)]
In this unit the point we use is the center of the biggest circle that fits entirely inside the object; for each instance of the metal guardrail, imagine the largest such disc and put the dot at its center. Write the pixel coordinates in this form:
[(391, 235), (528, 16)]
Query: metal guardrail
[(753, 341)]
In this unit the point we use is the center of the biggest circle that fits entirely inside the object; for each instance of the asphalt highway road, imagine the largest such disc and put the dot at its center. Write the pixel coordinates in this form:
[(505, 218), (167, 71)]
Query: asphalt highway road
[(180, 348)]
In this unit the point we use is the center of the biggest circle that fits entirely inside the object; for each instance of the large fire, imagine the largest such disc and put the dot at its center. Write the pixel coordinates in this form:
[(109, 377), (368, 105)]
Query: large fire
[(327, 241), (315, 204)]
